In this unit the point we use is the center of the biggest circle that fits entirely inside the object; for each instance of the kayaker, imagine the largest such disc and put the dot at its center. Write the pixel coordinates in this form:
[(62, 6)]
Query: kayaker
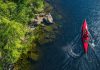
[(85, 36)]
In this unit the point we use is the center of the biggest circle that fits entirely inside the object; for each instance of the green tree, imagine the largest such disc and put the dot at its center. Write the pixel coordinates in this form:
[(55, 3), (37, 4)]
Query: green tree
[(15, 39), (12, 35)]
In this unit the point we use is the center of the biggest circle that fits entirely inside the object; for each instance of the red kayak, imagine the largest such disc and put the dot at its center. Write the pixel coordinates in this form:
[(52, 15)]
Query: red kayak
[(85, 36)]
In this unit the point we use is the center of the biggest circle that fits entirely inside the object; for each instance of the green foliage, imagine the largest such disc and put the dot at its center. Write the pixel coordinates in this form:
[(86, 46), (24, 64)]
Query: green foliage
[(16, 40), (14, 16), (7, 9), (22, 63), (1, 66), (38, 5), (11, 36), (48, 8), (20, 10)]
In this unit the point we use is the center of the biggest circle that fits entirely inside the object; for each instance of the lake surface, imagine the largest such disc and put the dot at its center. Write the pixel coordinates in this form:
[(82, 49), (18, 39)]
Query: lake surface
[(67, 53)]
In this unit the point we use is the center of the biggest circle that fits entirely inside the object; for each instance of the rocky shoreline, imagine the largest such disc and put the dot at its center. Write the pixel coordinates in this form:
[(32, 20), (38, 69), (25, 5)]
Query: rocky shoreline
[(41, 18)]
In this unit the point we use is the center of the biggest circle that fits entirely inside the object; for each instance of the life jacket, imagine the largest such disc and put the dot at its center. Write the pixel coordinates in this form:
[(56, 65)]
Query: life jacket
[(85, 35)]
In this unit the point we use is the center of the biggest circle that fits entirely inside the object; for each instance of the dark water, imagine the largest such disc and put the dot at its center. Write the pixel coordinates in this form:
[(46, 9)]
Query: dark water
[(67, 52)]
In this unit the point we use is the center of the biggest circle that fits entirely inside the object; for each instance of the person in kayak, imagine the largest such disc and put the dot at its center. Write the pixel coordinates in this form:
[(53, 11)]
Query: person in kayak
[(85, 35)]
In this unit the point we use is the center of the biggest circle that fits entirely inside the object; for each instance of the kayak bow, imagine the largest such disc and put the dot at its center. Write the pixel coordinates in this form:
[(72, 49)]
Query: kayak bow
[(85, 36)]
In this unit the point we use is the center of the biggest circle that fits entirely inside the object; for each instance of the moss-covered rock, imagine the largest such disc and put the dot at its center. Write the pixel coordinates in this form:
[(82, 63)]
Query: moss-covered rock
[(45, 34)]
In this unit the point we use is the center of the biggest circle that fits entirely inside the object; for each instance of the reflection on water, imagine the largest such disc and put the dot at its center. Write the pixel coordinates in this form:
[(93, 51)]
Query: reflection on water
[(67, 52)]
